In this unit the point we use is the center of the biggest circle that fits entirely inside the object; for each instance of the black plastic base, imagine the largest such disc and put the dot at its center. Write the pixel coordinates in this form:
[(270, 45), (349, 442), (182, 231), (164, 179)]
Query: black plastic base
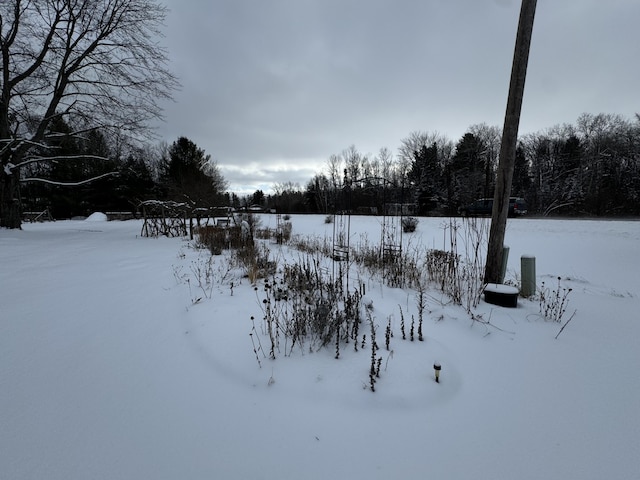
[(501, 295)]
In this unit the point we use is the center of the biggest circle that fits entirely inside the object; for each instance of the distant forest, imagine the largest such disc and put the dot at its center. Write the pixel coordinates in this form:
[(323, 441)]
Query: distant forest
[(590, 168)]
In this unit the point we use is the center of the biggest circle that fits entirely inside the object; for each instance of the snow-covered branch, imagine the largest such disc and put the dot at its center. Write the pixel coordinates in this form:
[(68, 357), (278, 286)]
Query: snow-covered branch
[(67, 184), (60, 157)]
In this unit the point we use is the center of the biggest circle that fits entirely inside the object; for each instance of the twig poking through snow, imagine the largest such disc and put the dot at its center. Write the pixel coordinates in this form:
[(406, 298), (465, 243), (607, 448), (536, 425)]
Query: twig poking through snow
[(566, 323)]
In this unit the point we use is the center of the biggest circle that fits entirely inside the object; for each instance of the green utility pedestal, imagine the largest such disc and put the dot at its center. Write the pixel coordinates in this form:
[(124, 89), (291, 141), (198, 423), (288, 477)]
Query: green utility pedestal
[(528, 273)]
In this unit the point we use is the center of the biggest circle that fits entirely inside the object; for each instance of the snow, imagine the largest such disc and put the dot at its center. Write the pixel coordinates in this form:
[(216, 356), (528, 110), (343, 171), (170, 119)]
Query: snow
[(96, 217), (500, 288), (109, 368)]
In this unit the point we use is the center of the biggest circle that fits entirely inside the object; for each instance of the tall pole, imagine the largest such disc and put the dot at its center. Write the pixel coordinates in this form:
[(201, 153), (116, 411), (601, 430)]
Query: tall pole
[(508, 146)]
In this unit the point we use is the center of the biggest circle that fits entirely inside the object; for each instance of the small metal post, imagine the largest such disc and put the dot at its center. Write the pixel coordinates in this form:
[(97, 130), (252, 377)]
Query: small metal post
[(437, 368)]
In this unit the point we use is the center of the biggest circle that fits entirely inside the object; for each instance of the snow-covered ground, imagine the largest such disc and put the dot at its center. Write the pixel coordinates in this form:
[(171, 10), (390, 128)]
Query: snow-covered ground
[(109, 370)]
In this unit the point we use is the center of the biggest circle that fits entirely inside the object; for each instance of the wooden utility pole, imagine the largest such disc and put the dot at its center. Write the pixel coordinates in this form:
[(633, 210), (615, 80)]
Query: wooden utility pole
[(508, 146)]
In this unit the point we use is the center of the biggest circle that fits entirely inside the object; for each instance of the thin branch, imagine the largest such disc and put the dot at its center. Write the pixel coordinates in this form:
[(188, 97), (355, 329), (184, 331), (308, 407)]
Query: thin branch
[(60, 157), (67, 184), (566, 323)]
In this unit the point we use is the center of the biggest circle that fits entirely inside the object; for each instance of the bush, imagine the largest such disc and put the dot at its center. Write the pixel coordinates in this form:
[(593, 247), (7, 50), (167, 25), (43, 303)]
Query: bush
[(280, 235), (553, 303), (255, 261), (217, 238), (409, 224)]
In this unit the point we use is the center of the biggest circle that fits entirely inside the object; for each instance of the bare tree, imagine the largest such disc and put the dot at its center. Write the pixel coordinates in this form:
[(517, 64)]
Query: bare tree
[(353, 163), (509, 142), (418, 140), (373, 168), (334, 171), (490, 137), (319, 193), (385, 161), (94, 61)]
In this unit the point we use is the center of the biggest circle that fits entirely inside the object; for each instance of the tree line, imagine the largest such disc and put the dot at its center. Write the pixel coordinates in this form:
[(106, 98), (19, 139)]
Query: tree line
[(180, 172), (591, 167)]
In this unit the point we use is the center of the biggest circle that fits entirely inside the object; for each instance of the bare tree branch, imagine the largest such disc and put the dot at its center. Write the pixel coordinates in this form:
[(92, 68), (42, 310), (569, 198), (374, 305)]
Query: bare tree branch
[(68, 184), (40, 159)]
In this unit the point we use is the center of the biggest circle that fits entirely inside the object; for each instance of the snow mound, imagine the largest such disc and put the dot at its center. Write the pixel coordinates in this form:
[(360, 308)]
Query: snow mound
[(96, 217)]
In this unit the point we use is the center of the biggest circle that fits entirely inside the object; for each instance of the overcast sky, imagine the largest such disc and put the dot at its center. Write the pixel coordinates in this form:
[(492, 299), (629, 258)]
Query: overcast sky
[(272, 88)]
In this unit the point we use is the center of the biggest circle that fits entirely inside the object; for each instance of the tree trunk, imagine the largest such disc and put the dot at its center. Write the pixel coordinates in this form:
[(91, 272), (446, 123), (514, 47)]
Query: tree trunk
[(493, 270), (10, 207)]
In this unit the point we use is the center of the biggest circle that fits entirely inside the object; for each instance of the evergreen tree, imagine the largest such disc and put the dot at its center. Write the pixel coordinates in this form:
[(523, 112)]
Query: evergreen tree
[(467, 171), (521, 174), (189, 175), (257, 198), (427, 177), (135, 183)]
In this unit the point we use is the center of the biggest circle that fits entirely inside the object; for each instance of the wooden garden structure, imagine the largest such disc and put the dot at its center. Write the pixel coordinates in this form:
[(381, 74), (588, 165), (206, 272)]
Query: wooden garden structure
[(215, 225)]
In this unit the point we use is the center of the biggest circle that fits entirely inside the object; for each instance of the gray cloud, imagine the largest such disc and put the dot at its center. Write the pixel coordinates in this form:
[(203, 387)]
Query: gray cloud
[(272, 88)]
